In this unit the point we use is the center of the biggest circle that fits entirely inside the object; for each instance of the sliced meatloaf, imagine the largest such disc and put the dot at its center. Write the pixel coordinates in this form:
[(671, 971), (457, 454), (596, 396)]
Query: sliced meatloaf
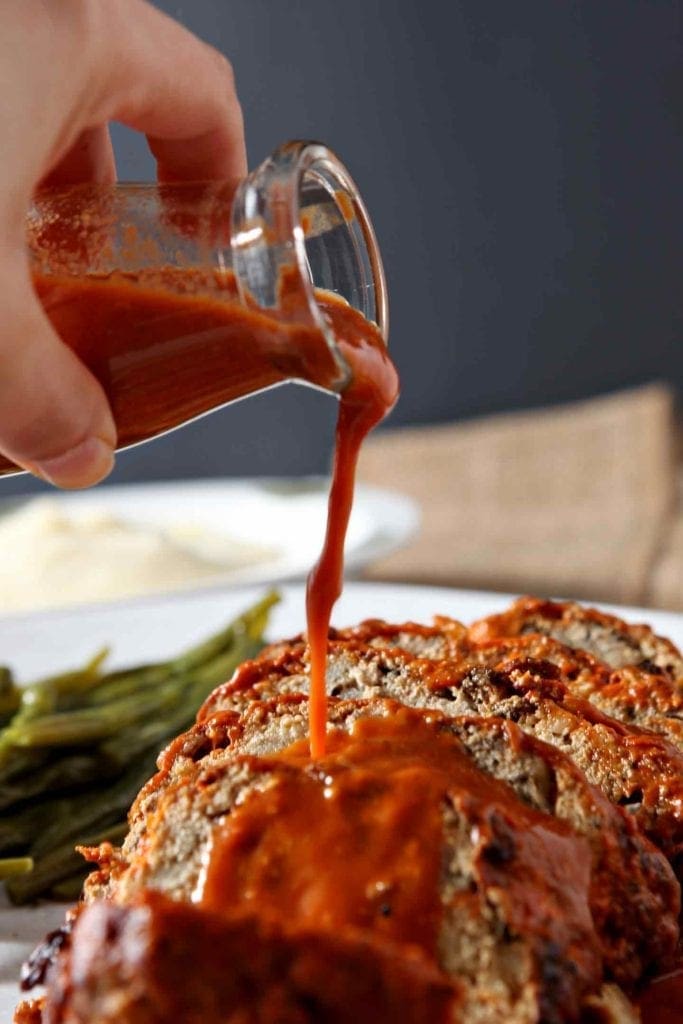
[(471, 849), (635, 769), (642, 694), (630, 881), (505, 905), (162, 961), (634, 695), (635, 676), (608, 637), (645, 697)]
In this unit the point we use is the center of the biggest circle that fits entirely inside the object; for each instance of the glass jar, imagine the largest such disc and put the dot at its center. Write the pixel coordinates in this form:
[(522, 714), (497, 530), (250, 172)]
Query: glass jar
[(183, 298)]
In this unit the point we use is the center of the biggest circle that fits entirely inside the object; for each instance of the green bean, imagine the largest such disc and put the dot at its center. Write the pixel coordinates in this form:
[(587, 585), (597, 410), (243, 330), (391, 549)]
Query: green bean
[(71, 728), (81, 744), (70, 888), (46, 694), (11, 866), (48, 822), (60, 863), (63, 774), (115, 752), (117, 685), (19, 830), (72, 817), (130, 742), (44, 697), (10, 695), (252, 623), (23, 763)]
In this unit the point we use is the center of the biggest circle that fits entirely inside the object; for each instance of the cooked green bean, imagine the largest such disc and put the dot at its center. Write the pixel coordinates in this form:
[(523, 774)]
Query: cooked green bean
[(44, 698), (11, 866), (60, 863), (10, 695), (70, 772), (69, 889), (72, 817), (80, 727), (81, 744)]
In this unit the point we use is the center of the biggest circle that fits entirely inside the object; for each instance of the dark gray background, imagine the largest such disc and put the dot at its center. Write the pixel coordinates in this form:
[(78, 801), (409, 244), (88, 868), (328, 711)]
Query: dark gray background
[(522, 163)]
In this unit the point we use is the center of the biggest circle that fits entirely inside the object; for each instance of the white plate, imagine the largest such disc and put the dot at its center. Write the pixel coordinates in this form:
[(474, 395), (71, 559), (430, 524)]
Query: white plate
[(156, 628), (286, 516)]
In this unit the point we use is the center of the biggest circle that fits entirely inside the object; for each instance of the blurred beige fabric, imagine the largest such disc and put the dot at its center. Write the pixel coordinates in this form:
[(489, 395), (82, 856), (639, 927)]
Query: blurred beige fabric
[(579, 500)]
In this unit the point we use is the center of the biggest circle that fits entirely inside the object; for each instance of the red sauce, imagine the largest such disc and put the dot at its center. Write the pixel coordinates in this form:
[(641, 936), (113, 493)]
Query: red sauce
[(348, 869), (662, 1000), (367, 400), (374, 859), (187, 966), (168, 345)]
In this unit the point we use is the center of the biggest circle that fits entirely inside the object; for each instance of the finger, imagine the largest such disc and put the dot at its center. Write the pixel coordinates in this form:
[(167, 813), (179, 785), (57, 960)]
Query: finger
[(89, 159), (54, 417), (177, 90)]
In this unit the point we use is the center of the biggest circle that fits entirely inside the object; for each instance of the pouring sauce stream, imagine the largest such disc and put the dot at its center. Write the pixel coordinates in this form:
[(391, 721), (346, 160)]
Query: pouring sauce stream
[(168, 345), (368, 398)]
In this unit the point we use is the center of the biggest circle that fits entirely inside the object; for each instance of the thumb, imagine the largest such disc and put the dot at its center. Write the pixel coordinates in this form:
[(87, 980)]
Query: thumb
[(54, 417)]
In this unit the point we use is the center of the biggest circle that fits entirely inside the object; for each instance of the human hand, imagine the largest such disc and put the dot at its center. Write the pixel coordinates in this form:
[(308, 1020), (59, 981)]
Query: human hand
[(69, 67)]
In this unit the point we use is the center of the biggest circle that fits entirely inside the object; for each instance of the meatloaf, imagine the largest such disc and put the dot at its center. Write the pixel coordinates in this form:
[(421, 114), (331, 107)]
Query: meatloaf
[(486, 840)]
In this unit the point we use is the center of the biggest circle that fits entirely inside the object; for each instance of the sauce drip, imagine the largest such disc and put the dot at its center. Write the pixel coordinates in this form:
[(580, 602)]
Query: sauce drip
[(662, 1001), (168, 345), (374, 860), (368, 398), (348, 870)]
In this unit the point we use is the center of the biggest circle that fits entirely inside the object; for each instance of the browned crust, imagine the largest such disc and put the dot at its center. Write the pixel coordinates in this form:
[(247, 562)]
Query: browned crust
[(601, 708), (161, 961), (627, 644)]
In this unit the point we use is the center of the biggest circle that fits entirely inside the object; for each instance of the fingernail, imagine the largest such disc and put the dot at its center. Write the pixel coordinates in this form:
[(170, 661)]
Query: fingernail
[(85, 464)]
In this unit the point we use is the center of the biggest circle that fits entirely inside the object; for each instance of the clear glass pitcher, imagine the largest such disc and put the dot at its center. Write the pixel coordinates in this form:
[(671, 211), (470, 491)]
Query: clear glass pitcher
[(182, 298)]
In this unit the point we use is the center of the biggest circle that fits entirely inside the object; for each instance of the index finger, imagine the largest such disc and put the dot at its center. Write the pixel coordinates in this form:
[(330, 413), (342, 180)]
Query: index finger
[(164, 81)]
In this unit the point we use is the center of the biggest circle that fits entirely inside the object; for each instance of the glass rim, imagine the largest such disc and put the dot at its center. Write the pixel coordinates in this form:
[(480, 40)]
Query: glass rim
[(309, 157)]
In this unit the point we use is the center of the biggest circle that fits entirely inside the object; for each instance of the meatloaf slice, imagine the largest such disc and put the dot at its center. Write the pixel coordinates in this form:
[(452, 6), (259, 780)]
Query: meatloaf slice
[(637, 770), (514, 889), (631, 882), (636, 695), (129, 960), (644, 695), (512, 884), (608, 637), (445, 638), (159, 961)]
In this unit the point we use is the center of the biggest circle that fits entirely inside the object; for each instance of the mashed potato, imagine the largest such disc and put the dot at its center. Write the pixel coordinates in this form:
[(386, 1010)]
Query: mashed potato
[(51, 558)]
